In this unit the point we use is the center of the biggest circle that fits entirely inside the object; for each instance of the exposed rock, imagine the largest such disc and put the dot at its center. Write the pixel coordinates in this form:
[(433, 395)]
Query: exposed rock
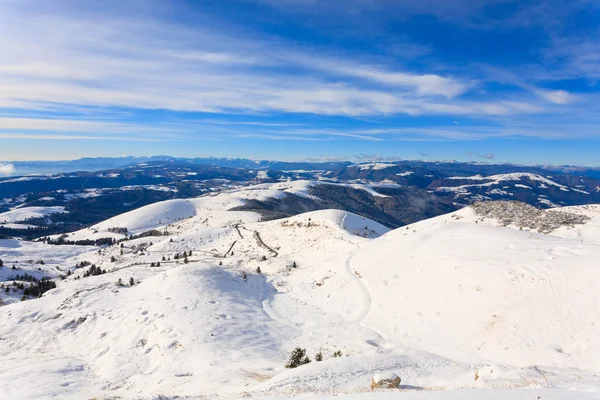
[(523, 215), (387, 380)]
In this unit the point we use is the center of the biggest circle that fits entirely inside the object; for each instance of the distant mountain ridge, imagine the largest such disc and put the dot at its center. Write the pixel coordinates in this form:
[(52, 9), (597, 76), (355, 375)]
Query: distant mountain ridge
[(91, 164), (399, 192)]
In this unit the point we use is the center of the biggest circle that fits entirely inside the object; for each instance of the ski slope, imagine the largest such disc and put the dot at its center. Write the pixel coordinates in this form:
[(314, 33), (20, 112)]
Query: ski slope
[(458, 306)]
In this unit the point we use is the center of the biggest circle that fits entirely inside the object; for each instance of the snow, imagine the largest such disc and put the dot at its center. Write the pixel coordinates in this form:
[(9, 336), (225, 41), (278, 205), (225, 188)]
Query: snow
[(25, 213), (496, 179), (458, 306), (384, 376), (262, 175), (406, 173), (375, 166)]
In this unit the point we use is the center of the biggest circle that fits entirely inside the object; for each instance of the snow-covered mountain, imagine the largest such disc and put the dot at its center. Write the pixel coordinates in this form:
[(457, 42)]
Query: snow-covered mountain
[(92, 197), (475, 299)]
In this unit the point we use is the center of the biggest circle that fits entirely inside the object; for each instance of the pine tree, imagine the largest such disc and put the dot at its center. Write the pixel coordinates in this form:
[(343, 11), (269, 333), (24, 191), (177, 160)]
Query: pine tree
[(158, 264), (244, 276), (319, 357), (258, 271), (1, 263), (298, 357), (113, 259), (185, 260), (131, 281)]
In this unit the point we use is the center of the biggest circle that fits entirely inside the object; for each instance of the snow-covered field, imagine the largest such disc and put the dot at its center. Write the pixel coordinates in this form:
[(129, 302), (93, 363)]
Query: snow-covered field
[(458, 306)]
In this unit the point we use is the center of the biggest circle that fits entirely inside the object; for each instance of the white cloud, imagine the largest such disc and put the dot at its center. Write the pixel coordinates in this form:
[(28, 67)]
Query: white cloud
[(557, 96), (7, 169), (61, 56)]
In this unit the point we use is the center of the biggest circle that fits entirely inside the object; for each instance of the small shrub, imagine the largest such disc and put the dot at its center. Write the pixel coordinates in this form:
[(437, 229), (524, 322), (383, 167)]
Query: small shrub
[(319, 357), (298, 357), (337, 354)]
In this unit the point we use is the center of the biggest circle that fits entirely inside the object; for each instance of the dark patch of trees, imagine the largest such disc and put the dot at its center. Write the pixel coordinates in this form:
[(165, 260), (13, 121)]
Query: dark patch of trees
[(93, 271)]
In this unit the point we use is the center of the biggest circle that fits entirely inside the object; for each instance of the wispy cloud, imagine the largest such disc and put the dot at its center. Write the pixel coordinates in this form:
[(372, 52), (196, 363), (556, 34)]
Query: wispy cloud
[(68, 56)]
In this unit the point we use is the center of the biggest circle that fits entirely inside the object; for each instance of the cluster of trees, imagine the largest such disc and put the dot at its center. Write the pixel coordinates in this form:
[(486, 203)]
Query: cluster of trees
[(39, 288), (182, 255), (83, 264), (151, 232), (25, 277), (119, 230), (93, 270), (61, 240), (131, 282), (35, 288), (298, 357)]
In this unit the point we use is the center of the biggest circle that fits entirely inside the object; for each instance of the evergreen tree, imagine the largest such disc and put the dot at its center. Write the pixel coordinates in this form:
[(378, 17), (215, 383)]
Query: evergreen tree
[(185, 260), (298, 357), (131, 281), (258, 271), (244, 276), (1, 263), (319, 357)]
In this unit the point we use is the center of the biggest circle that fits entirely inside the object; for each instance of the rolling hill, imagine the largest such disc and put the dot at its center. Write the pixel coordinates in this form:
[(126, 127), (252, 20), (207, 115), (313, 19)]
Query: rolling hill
[(478, 298)]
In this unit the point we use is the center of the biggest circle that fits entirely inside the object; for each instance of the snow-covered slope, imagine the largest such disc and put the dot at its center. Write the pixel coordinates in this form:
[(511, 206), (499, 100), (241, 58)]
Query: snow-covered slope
[(14, 219), (480, 293), (211, 210), (23, 214), (455, 302)]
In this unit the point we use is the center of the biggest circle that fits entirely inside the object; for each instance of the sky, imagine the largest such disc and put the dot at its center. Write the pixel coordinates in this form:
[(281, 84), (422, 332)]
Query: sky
[(467, 80)]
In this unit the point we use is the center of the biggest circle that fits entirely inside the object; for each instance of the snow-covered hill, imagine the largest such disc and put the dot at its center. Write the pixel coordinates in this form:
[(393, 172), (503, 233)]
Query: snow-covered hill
[(18, 217), (454, 302)]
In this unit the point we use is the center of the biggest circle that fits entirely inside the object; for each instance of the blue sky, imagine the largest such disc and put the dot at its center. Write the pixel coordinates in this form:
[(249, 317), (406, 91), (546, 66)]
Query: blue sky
[(469, 80)]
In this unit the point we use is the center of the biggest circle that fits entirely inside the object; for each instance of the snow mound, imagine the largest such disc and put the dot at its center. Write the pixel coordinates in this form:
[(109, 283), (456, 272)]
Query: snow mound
[(150, 217)]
